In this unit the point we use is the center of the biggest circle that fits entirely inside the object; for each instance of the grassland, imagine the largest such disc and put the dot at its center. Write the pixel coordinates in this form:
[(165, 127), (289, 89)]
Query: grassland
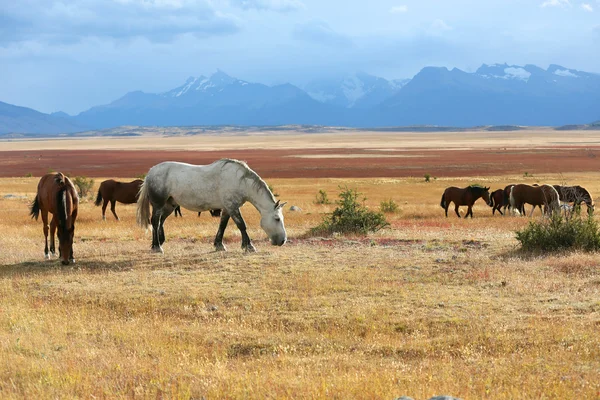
[(431, 305)]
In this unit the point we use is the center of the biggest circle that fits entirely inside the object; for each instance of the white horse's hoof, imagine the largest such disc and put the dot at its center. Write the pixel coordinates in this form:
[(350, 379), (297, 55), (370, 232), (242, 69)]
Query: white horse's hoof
[(157, 250), (220, 247)]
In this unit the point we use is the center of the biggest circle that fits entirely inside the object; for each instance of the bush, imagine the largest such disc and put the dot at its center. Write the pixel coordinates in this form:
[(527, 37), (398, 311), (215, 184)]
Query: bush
[(141, 176), (322, 198), (427, 178), (389, 206), (84, 185), (561, 232), (272, 189), (350, 216)]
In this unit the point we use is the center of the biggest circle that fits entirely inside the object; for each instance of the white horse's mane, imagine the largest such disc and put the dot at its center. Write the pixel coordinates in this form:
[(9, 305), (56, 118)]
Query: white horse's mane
[(248, 173)]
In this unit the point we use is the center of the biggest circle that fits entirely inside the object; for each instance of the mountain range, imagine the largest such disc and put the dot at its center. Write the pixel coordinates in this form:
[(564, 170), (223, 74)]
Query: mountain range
[(498, 94)]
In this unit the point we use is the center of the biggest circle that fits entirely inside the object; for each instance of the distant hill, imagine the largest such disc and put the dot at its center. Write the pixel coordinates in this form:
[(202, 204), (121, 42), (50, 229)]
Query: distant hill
[(18, 120), (495, 97)]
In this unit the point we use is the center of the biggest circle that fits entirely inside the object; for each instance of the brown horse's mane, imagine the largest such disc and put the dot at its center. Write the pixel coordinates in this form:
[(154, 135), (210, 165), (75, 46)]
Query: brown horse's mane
[(476, 189), (61, 204)]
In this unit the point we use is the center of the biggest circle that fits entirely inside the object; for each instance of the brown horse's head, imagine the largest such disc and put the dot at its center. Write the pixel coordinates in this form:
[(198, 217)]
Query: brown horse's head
[(486, 196), (67, 212)]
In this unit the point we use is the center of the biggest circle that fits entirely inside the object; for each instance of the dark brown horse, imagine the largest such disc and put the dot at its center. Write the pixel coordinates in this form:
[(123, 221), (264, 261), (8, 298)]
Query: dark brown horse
[(464, 197), (576, 195), (213, 213), (543, 195), (57, 195), (113, 191), (497, 201)]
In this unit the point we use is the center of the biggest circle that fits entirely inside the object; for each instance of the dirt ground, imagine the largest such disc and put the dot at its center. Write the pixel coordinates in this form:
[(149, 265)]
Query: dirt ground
[(359, 161)]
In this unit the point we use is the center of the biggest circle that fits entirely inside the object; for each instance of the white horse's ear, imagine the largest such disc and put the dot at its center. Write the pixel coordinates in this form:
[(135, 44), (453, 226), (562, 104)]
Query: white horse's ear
[(277, 206)]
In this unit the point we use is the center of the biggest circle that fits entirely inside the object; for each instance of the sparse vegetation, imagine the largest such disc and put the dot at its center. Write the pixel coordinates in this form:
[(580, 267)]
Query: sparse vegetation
[(141, 176), (561, 232), (351, 216), (84, 185), (322, 197), (427, 178), (389, 206), (28, 175), (272, 189)]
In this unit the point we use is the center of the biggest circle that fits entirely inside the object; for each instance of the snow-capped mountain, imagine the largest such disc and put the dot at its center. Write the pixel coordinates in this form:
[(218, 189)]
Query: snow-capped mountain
[(358, 90)]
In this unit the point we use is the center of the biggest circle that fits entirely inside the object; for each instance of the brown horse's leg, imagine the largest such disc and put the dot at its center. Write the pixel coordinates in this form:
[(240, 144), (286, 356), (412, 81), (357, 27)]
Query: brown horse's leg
[(456, 210), (469, 211), (104, 204), (499, 210), (53, 225), (46, 229), (112, 208)]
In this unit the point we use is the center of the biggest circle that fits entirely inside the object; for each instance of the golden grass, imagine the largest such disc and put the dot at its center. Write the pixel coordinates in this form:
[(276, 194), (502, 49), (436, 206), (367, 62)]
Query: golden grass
[(428, 306)]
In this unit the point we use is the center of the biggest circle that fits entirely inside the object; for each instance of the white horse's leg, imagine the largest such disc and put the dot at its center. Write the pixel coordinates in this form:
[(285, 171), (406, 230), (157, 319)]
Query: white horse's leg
[(241, 224), (219, 246)]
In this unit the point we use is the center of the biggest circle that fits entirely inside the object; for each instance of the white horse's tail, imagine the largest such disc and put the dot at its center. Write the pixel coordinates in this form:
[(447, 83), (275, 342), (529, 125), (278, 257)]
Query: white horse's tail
[(143, 207), (512, 199)]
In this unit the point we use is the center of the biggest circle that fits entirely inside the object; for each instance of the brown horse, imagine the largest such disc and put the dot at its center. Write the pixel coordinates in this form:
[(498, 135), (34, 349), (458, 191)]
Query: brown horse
[(464, 197), (497, 201), (213, 213), (57, 195), (576, 195), (543, 195), (113, 191)]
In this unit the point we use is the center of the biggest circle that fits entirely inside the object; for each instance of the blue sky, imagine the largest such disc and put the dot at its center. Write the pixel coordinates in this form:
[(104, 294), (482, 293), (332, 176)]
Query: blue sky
[(71, 55)]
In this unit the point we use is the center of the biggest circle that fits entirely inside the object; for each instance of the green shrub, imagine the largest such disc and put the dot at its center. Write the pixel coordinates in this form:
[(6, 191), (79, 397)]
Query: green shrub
[(561, 232), (351, 216), (272, 189), (84, 185), (389, 206), (141, 176), (29, 175), (322, 198), (427, 178)]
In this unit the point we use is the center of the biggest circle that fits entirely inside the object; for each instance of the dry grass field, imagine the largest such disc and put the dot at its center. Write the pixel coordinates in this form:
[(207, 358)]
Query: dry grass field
[(430, 305)]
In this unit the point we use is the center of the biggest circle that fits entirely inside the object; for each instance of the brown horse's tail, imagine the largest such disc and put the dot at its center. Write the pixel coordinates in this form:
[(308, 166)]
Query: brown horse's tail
[(443, 201), (143, 207), (98, 198), (34, 210)]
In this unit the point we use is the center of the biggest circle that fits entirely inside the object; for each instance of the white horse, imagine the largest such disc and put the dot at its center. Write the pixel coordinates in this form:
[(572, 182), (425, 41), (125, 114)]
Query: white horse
[(225, 184)]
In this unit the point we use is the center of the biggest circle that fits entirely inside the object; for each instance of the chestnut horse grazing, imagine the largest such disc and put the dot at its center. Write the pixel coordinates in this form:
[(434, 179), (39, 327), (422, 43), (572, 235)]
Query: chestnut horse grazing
[(57, 195), (464, 197), (113, 191), (576, 195), (544, 195)]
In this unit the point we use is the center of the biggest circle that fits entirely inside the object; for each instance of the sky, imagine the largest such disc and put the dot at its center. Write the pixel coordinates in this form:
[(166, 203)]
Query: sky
[(71, 55)]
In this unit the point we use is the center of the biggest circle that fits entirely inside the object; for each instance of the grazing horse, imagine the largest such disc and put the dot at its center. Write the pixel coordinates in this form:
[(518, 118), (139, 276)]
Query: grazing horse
[(464, 197), (57, 194), (225, 184), (544, 195), (213, 213), (113, 191), (576, 195), (497, 201)]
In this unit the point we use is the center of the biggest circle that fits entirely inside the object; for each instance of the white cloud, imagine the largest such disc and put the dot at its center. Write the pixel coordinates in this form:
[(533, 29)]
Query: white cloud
[(269, 5), (440, 25), (319, 31), (399, 9), (556, 3), (587, 7)]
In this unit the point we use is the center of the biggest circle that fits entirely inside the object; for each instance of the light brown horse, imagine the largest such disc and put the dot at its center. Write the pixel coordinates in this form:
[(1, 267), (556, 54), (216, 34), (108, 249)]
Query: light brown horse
[(57, 194), (464, 197), (543, 195), (576, 195), (113, 191)]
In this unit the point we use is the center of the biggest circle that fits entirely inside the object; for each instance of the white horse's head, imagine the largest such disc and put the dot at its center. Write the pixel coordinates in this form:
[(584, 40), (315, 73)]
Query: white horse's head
[(272, 223)]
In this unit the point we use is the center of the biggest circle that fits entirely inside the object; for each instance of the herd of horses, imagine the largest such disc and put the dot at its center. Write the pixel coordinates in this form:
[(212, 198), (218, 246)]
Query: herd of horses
[(221, 188), (514, 197), (224, 186)]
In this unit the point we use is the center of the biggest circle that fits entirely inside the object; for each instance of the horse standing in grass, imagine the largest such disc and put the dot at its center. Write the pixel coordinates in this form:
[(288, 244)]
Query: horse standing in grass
[(113, 191), (225, 184), (543, 195), (57, 195), (497, 201), (576, 195), (464, 197)]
